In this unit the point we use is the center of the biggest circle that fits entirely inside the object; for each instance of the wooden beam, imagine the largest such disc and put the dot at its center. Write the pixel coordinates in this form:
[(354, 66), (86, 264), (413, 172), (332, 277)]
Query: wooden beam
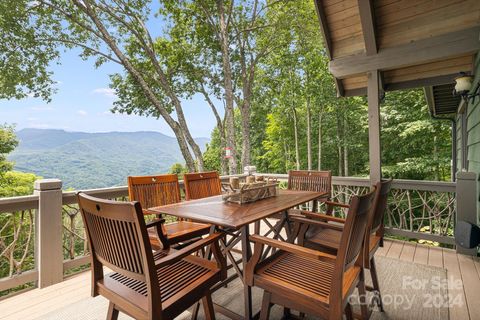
[(428, 91), (340, 89), (414, 53), (417, 83), (368, 26), (324, 27), (374, 126)]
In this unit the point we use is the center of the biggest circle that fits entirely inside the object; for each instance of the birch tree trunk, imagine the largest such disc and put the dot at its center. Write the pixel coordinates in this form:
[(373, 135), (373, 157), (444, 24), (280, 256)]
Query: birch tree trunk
[(339, 144), (229, 97), (295, 128), (320, 139), (309, 138), (345, 147)]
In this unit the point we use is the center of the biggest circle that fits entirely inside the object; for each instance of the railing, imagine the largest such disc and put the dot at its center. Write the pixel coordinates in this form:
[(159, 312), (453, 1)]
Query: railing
[(423, 210), (21, 244), (39, 250)]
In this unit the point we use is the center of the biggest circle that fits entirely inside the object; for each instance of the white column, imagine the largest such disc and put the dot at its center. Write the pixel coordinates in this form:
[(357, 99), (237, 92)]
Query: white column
[(373, 92), (48, 232)]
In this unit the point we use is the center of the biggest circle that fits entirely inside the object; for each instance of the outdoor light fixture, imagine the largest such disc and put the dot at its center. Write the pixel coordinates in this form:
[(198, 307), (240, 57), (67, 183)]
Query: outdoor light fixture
[(463, 85)]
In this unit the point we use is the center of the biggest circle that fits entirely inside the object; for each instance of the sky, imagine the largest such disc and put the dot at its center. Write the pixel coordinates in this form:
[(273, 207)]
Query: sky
[(83, 101)]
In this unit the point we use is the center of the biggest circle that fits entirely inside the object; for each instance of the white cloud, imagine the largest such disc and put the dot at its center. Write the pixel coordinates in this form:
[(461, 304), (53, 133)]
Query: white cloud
[(107, 92), (39, 125), (42, 108), (32, 119), (82, 113)]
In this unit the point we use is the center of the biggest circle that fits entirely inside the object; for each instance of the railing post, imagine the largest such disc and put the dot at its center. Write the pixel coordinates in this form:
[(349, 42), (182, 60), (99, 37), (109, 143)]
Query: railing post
[(466, 196), (48, 230)]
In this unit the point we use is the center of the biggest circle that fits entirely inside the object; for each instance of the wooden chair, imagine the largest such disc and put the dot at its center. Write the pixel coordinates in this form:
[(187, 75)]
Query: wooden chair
[(201, 185), (308, 180), (312, 281), (145, 284), (154, 191), (326, 236)]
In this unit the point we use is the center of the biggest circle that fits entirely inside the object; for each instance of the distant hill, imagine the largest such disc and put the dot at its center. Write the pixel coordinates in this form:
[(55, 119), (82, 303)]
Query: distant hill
[(94, 160)]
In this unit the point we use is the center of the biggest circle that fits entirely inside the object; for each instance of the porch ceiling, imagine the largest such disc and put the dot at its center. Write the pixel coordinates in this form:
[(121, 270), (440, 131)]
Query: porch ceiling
[(412, 43)]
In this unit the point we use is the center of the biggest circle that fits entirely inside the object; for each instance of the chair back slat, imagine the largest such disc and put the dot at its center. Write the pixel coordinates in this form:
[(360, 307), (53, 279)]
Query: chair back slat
[(380, 204), (154, 191), (117, 235), (354, 230), (308, 180), (201, 185)]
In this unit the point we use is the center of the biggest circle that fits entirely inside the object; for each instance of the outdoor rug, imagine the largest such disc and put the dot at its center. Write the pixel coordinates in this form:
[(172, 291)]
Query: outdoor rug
[(410, 291)]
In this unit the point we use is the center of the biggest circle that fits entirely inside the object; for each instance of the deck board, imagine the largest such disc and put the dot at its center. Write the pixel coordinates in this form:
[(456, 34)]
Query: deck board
[(471, 284), (408, 252), (421, 255), (457, 301), (38, 302)]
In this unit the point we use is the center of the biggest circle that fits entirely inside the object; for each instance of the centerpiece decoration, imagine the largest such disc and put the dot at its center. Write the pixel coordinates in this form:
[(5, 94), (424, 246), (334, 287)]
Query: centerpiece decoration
[(253, 189)]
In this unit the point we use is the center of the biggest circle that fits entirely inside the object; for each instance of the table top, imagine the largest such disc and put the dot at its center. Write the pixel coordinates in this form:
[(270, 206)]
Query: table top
[(215, 211)]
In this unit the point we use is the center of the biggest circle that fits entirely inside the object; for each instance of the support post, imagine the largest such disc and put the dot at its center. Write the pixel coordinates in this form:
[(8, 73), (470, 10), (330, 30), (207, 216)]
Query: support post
[(466, 196), (373, 91), (48, 231)]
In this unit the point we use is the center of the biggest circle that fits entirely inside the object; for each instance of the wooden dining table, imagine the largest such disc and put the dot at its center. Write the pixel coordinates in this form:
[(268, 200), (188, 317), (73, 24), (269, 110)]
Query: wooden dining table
[(235, 220)]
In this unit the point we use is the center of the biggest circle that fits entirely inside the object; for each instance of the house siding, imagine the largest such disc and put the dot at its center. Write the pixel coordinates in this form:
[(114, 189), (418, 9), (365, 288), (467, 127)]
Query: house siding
[(473, 133)]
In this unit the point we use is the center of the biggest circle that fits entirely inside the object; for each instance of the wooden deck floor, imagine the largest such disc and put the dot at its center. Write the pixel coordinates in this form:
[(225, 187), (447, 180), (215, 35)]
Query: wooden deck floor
[(35, 303)]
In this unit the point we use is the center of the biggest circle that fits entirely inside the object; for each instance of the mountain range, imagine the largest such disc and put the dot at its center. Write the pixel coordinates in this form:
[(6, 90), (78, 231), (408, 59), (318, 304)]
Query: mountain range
[(95, 160)]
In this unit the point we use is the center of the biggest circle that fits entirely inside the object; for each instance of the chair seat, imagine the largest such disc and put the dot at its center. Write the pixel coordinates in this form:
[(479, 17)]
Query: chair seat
[(179, 231), (330, 238), (302, 276), (177, 282)]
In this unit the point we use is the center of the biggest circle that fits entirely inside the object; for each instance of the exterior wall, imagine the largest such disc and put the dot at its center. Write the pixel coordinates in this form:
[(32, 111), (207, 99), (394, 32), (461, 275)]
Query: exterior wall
[(473, 133)]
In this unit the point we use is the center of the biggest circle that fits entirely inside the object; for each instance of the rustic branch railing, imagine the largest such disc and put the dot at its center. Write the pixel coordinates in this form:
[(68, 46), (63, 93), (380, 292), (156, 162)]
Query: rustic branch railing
[(423, 210), (417, 209)]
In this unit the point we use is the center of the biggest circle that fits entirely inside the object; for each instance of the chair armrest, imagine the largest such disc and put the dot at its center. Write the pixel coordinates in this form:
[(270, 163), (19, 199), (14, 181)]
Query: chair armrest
[(292, 248), (316, 223), (154, 223), (147, 212), (188, 250), (323, 217), (337, 204)]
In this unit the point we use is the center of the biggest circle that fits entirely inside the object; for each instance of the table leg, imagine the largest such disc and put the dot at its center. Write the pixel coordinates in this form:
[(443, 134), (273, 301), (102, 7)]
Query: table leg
[(246, 254)]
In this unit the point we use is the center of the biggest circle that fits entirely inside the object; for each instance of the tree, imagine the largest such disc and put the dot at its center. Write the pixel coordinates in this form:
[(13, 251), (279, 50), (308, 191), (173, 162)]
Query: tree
[(8, 142), (114, 31)]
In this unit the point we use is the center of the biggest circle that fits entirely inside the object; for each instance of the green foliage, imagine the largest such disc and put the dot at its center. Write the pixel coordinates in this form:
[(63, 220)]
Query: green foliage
[(178, 169), (214, 153), (14, 183), (294, 79), (8, 142)]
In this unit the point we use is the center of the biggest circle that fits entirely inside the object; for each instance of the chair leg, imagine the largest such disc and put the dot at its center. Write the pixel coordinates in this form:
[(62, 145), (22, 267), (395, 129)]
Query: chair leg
[(363, 296), (348, 311), (208, 307), (112, 312), (195, 309), (376, 286), (265, 312)]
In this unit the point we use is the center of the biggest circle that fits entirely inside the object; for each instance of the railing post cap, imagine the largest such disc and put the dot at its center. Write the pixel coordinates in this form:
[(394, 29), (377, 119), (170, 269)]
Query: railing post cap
[(465, 175), (47, 184)]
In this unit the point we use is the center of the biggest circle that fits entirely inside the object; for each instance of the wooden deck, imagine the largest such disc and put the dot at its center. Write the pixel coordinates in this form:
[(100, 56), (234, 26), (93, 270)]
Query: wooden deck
[(36, 303)]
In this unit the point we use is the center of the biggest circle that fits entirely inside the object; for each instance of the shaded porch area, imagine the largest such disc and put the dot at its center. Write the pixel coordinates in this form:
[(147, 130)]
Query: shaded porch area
[(397, 260)]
